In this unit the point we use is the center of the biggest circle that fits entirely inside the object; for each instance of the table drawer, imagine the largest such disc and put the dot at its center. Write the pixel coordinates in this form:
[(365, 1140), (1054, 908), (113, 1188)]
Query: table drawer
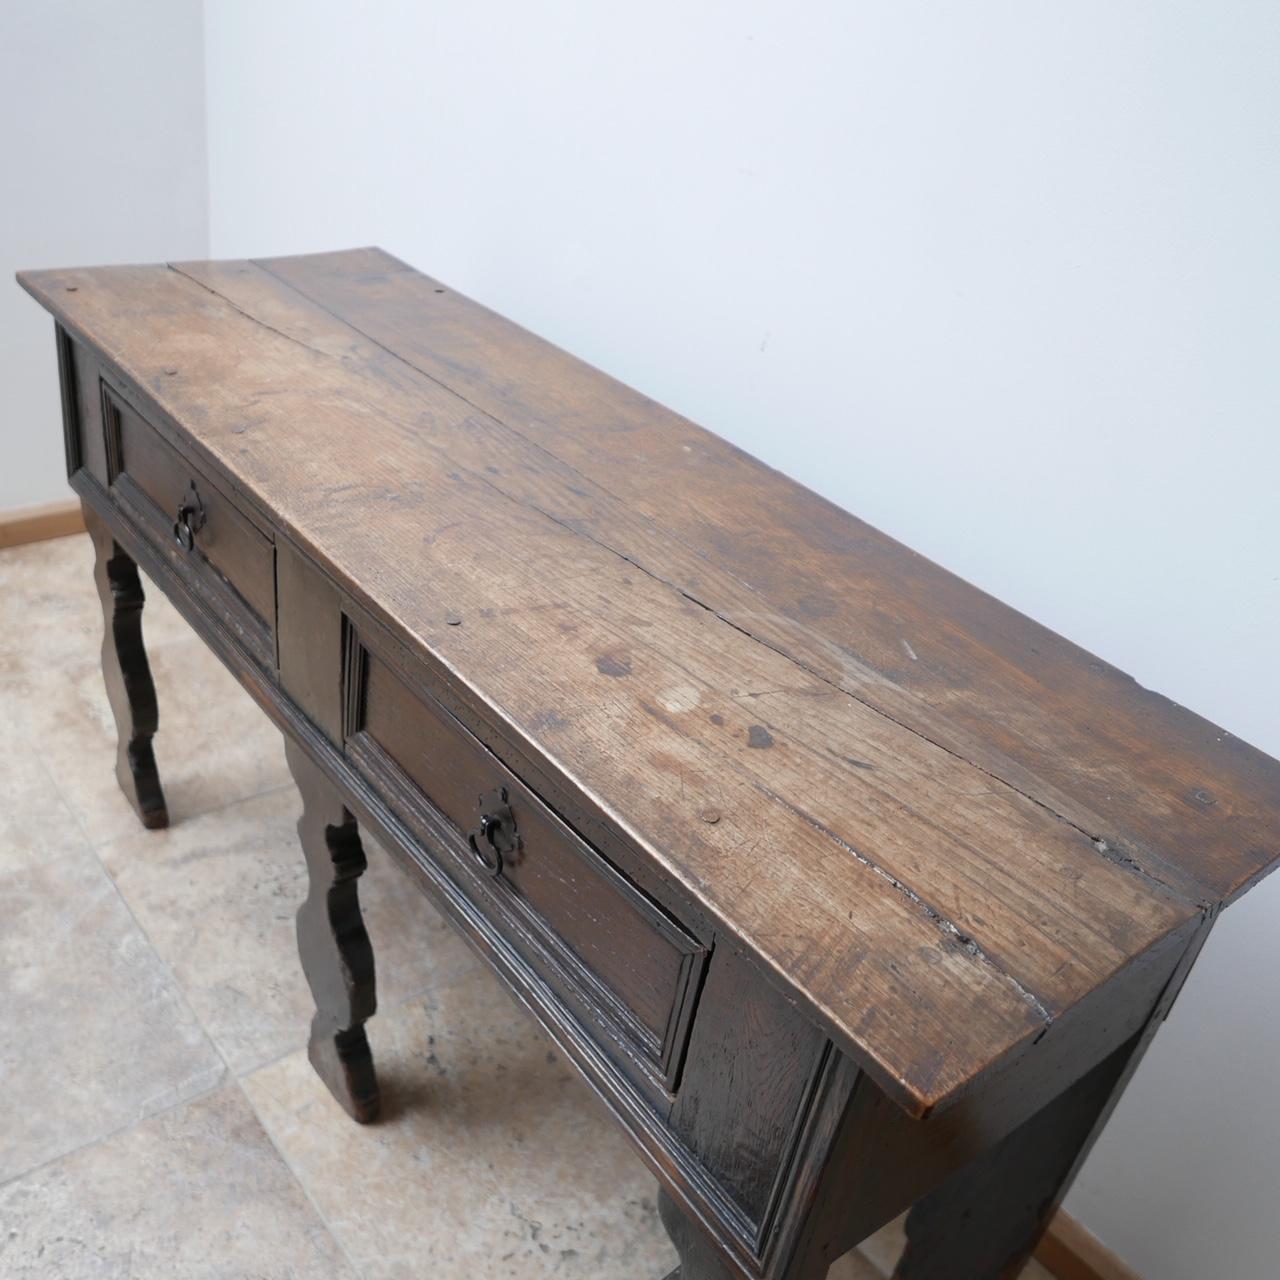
[(232, 558), (620, 960)]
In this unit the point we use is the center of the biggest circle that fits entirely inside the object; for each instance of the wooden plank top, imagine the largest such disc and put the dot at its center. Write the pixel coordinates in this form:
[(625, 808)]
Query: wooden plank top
[(938, 825)]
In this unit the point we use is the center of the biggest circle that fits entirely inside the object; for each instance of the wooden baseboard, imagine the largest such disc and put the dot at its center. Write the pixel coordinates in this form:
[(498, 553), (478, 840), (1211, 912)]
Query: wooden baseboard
[(1072, 1252), (35, 524)]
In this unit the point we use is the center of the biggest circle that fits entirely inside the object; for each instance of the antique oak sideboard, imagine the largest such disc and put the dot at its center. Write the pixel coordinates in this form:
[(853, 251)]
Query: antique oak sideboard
[(846, 887)]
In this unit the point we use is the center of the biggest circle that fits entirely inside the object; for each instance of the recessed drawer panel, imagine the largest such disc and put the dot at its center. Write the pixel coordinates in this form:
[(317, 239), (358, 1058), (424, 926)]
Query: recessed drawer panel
[(232, 556), (623, 961)]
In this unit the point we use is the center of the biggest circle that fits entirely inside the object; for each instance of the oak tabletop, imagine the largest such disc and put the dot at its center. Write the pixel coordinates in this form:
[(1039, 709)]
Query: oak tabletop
[(938, 825)]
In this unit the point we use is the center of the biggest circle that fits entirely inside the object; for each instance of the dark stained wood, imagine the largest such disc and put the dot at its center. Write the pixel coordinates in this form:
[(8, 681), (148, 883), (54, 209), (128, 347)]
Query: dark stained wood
[(857, 1161), (985, 1222), (759, 814), (69, 385), (310, 640), (228, 542), (752, 1067), (130, 689), (84, 434), (337, 956)]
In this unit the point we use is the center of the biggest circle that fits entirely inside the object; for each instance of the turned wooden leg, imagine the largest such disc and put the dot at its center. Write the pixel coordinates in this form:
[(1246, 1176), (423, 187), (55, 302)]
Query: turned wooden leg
[(128, 676), (986, 1220), (698, 1261), (337, 956)]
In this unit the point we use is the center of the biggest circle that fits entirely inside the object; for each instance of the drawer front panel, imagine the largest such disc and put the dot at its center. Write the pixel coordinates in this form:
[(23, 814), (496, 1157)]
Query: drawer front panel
[(617, 953), (223, 543)]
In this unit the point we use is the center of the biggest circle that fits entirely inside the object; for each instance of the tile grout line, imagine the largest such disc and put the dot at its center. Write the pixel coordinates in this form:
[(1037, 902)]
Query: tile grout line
[(229, 1072), (129, 1125), (239, 1081), (321, 1216), (394, 1007), (165, 967), (226, 1077), (192, 816), (880, 1274)]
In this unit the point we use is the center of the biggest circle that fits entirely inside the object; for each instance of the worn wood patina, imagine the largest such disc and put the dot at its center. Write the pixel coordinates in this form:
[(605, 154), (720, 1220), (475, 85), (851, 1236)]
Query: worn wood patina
[(847, 887)]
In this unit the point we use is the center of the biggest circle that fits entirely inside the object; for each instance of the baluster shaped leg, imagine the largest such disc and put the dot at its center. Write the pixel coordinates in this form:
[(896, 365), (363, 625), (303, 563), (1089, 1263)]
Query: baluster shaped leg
[(337, 956), (127, 674)]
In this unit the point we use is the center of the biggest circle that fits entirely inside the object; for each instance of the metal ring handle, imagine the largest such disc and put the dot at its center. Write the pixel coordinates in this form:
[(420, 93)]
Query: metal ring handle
[(182, 528), (484, 843), (190, 518), (496, 838)]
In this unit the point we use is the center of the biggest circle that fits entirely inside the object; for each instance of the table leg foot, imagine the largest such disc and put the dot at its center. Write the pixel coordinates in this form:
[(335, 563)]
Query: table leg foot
[(337, 956), (343, 1060), (130, 689)]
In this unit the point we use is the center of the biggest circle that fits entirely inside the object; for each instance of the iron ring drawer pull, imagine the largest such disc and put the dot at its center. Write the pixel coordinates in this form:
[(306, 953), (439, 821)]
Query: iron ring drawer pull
[(190, 518), (496, 836)]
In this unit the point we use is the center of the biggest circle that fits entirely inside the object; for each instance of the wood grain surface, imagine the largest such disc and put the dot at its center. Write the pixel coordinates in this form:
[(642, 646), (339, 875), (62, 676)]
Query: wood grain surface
[(937, 825)]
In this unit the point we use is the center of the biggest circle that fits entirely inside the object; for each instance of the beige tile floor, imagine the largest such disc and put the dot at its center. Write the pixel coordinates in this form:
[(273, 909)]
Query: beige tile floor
[(159, 1117)]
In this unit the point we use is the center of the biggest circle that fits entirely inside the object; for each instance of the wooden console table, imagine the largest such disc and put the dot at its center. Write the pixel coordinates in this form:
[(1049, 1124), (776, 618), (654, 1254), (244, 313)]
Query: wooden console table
[(846, 887)]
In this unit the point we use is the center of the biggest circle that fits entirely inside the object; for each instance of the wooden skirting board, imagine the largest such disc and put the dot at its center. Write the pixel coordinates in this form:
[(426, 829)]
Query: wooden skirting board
[(1072, 1252), (35, 524)]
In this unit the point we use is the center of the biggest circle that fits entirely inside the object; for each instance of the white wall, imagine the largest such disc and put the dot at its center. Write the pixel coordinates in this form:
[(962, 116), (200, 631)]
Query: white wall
[(1000, 277), (102, 159)]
